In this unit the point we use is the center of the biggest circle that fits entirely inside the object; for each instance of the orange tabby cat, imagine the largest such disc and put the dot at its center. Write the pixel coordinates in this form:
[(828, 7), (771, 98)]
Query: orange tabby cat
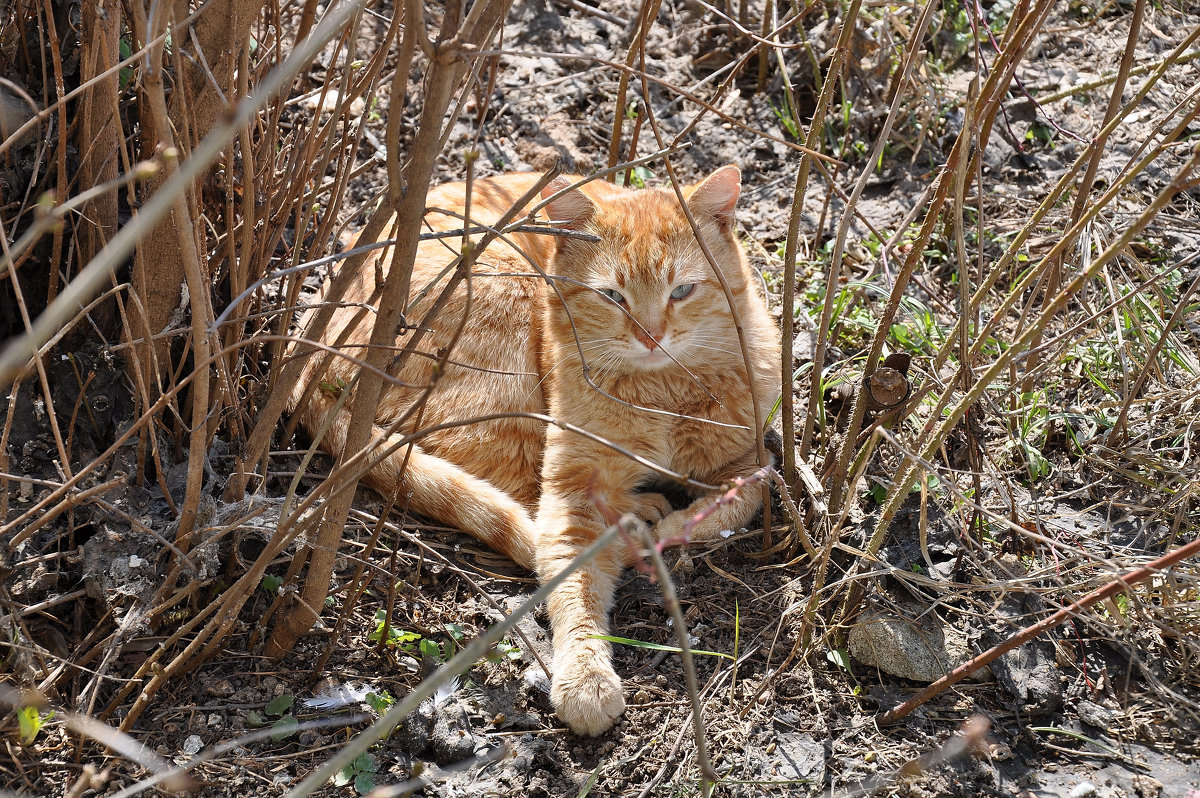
[(643, 316)]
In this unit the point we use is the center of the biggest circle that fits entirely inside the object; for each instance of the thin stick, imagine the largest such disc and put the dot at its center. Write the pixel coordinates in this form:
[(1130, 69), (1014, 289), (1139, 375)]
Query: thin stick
[(1084, 193), (198, 289), (100, 270), (813, 140), (751, 382), (1119, 432), (646, 16), (838, 483), (708, 775), (1142, 69)]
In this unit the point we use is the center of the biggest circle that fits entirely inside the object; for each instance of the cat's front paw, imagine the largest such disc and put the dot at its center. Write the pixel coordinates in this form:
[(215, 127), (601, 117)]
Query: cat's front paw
[(671, 528), (587, 693), (651, 507)]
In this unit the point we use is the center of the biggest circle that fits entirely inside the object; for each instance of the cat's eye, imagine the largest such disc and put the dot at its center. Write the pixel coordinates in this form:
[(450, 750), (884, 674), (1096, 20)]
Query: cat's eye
[(613, 295), (682, 291)]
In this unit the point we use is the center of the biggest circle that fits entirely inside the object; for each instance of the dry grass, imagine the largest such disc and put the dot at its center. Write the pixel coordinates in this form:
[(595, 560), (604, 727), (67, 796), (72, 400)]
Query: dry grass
[(1054, 373)]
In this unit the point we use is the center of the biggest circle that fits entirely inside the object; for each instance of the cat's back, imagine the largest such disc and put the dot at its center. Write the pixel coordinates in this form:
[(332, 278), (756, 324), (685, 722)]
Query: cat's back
[(491, 198)]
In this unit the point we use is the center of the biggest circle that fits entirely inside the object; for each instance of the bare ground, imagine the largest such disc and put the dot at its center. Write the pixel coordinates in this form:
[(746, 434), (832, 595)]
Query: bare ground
[(1116, 705)]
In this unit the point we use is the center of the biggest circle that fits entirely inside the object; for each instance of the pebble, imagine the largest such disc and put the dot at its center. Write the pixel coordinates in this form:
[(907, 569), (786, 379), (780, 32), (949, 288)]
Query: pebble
[(451, 740), (221, 688)]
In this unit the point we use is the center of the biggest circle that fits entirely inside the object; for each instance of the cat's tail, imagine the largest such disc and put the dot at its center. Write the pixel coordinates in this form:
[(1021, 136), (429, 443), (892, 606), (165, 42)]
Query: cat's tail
[(434, 487)]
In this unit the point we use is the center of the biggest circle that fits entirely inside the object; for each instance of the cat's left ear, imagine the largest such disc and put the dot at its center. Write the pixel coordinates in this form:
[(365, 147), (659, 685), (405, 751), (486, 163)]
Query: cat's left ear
[(715, 197), (572, 209)]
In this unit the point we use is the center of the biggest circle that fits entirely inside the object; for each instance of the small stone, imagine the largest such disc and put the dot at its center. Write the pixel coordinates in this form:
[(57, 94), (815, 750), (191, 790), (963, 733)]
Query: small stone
[(192, 744), (922, 652), (221, 689), (452, 740), (999, 751), (1095, 715), (330, 103), (1147, 786), (416, 730)]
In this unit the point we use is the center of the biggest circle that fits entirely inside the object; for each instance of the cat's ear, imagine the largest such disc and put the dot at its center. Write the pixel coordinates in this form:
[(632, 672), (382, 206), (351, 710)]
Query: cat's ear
[(572, 210), (715, 197)]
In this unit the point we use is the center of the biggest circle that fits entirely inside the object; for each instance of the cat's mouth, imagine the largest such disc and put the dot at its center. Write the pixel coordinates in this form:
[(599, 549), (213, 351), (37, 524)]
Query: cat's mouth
[(653, 360)]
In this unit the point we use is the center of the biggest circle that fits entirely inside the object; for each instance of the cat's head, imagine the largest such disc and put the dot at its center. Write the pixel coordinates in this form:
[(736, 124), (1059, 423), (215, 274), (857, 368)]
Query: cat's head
[(645, 297)]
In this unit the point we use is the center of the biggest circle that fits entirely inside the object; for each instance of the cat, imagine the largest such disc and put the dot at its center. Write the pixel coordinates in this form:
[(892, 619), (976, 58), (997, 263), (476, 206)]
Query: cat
[(636, 310)]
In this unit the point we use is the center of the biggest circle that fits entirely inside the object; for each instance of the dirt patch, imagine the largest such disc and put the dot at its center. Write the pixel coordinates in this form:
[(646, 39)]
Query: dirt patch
[(1109, 700)]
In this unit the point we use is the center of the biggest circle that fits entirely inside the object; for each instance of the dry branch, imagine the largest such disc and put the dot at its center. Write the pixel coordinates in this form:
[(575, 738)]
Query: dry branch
[(443, 77), (159, 273), (15, 356)]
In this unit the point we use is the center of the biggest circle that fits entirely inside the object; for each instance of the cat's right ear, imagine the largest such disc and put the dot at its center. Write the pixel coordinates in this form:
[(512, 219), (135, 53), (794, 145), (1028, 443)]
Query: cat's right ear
[(716, 196), (572, 209)]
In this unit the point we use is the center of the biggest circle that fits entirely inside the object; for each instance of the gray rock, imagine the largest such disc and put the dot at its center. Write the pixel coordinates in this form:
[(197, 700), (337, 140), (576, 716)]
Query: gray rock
[(117, 568), (799, 757), (452, 739), (415, 731), (922, 651), (1095, 715), (221, 688), (1029, 673)]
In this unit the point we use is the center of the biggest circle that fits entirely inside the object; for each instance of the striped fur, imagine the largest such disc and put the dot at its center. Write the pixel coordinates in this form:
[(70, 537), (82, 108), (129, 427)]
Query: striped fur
[(659, 364)]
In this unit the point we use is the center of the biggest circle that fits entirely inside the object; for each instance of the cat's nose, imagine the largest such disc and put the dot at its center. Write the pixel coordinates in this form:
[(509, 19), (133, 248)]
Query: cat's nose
[(649, 338)]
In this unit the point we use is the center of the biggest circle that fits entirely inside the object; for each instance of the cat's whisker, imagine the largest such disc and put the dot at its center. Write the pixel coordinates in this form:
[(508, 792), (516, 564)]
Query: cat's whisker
[(714, 339), (711, 348), (602, 361), (566, 349), (591, 346), (572, 346), (538, 387), (720, 343)]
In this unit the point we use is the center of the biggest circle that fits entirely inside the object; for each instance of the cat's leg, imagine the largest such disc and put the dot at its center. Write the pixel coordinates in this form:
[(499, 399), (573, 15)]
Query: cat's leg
[(586, 690), (441, 490), (651, 507), (437, 488), (729, 515)]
